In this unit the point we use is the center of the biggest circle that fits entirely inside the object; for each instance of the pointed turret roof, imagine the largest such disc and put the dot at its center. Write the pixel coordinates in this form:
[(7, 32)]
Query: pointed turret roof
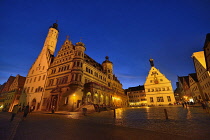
[(107, 60)]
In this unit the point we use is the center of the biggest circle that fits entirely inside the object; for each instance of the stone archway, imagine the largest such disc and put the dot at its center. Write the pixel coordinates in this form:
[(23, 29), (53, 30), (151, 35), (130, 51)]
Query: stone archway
[(96, 98), (101, 99), (88, 98), (54, 100)]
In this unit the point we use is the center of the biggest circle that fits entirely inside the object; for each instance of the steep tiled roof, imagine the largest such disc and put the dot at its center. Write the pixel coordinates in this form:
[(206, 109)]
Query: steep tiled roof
[(137, 88), (194, 76), (92, 62)]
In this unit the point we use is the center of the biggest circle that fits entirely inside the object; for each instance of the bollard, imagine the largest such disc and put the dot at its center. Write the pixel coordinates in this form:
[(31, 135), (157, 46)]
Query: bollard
[(114, 114), (166, 114)]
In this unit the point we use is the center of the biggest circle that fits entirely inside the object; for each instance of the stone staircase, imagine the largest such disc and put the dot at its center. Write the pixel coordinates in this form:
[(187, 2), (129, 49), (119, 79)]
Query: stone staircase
[(90, 108)]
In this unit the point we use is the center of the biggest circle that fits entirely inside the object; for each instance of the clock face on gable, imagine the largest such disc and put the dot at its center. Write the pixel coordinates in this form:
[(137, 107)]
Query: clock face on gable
[(156, 80)]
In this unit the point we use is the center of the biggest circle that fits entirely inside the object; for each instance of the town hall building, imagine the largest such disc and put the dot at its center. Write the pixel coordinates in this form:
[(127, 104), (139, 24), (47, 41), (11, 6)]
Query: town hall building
[(71, 79)]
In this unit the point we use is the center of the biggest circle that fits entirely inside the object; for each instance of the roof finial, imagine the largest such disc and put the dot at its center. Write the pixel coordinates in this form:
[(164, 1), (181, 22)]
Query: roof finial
[(80, 39), (151, 62), (67, 37)]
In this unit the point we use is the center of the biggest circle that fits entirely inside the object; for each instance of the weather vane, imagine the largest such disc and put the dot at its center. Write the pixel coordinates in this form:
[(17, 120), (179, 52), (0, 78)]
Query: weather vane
[(80, 39)]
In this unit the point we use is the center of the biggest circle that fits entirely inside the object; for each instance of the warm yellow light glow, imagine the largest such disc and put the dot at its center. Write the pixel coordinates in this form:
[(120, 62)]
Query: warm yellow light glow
[(185, 97), (1, 106), (74, 95)]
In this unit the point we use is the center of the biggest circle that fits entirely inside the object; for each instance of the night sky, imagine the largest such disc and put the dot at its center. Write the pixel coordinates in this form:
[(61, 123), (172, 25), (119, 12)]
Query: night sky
[(130, 32)]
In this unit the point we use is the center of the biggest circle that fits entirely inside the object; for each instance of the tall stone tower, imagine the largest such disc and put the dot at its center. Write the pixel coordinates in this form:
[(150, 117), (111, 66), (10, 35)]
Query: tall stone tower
[(158, 88), (36, 78)]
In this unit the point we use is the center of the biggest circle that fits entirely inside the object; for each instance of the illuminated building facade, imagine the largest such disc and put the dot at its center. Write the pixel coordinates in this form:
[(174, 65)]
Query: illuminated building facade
[(186, 92), (4, 90), (1, 96), (75, 80), (36, 77), (195, 88), (158, 88), (137, 96), (202, 74), (206, 49), (13, 95)]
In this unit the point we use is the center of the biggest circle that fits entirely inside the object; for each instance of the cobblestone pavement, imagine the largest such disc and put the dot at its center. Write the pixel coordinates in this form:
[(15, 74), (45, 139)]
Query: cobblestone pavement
[(193, 122), (7, 128), (75, 126)]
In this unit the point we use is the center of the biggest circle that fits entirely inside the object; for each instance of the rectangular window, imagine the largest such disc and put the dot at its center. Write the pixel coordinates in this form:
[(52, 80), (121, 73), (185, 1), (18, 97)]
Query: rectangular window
[(35, 79), (169, 98), (43, 77), (32, 89), (66, 100), (39, 78), (160, 99), (28, 89), (151, 99)]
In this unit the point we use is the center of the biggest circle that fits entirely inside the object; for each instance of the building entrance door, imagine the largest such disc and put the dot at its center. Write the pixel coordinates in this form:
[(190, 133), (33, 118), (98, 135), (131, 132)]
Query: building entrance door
[(54, 100)]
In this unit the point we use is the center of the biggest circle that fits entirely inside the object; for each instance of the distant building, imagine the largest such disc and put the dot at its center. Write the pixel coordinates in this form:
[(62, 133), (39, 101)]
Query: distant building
[(36, 77), (158, 88), (186, 92), (12, 96), (136, 96), (4, 90), (1, 96), (202, 74), (178, 92), (195, 88)]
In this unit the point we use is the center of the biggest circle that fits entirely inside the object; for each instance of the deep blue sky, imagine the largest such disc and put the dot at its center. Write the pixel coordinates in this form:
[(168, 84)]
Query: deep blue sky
[(130, 32)]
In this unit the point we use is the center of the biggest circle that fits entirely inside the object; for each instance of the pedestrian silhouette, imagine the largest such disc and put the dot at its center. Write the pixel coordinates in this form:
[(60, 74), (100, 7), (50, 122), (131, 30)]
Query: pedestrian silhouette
[(14, 112), (26, 111), (182, 104)]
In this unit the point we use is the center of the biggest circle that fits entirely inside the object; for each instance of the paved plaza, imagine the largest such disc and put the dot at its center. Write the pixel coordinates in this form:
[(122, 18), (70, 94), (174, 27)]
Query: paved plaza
[(129, 124)]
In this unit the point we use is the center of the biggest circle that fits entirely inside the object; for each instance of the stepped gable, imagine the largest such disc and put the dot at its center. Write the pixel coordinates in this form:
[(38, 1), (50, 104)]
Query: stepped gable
[(65, 53)]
